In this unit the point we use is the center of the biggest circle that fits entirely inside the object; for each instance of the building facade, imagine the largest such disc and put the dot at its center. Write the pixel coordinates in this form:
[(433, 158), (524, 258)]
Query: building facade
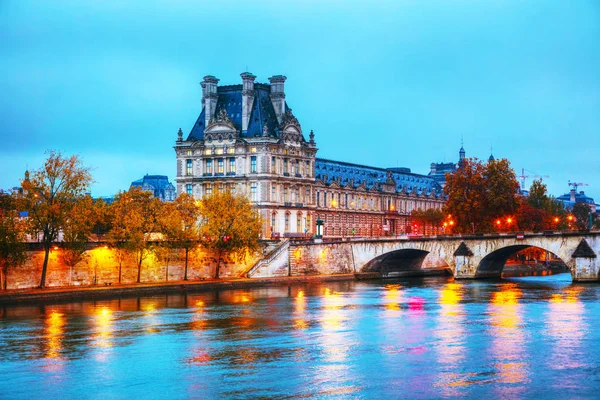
[(247, 140)]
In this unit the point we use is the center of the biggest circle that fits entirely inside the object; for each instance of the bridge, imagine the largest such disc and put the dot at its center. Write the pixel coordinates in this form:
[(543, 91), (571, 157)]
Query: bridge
[(467, 256)]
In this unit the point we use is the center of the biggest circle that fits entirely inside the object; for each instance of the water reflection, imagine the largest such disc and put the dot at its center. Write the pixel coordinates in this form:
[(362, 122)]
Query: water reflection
[(508, 339), (54, 332), (103, 328), (567, 328), (451, 335)]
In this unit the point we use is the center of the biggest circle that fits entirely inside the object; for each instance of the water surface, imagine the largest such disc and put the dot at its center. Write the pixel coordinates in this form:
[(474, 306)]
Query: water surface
[(418, 338)]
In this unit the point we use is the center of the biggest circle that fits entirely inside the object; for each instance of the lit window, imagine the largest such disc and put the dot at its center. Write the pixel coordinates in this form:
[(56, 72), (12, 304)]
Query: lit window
[(232, 165), (287, 222), (219, 150), (188, 152), (220, 166), (253, 164), (188, 189), (254, 192), (252, 149), (208, 152), (273, 165), (208, 188), (188, 167), (208, 166), (299, 223), (231, 150)]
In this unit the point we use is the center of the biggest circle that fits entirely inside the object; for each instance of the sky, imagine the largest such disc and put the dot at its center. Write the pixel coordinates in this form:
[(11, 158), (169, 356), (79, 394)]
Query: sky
[(381, 83)]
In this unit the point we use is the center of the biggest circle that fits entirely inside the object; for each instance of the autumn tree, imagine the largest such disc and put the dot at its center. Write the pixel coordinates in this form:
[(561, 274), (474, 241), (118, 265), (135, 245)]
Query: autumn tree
[(82, 216), (466, 191), (229, 223), (12, 236), (49, 193), (539, 211), (134, 220), (430, 217), (479, 194), (179, 222)]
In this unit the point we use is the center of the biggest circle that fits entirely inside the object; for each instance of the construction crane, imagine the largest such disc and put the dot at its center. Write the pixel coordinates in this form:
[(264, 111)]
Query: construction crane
[(523, 177), (577, 184)]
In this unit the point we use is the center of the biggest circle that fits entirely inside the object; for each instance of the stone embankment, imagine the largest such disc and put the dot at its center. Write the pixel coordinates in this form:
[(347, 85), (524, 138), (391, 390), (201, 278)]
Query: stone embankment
[(145, 289)]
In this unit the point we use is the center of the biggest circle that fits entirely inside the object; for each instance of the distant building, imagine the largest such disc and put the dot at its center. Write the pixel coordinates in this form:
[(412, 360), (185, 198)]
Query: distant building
[(572, 198), (158, 185)]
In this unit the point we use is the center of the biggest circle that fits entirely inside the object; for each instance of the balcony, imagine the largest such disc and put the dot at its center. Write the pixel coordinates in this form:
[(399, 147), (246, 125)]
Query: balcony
[(287, 204), (219, 174), (298, 175), (299, 204), (231, 173), (207, 174), (286, 174)]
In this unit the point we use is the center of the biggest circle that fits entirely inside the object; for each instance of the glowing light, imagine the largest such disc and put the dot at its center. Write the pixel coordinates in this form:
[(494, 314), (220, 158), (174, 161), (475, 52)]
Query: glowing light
[(509, 220), (497, 222), (55, 322), (555, 219), (55, 247), (451, 222), (104, 328)]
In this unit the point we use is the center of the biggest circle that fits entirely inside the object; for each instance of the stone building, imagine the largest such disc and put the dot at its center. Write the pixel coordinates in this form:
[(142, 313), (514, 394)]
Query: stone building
[(158, 185), (247, 140)]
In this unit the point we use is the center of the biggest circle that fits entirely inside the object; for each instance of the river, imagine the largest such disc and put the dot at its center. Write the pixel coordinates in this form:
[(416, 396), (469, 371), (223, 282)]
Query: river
[(417, 338)]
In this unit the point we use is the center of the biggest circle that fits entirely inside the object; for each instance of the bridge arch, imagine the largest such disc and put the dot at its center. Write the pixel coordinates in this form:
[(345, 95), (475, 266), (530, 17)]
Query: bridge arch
[(492, 264), (404, 261)]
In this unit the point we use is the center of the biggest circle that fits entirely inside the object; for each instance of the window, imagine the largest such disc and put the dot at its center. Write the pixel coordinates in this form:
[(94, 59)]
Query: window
[(307, 198), (220, 166), (188, 189), (299, 223), (253, 164), (252, 149), (232, 164), (188, 152), (285, 194), (308, 226), (308, 168), (273, 222), (273, 192), (325, 199), (188, 167), (318, 199), (287, 221), (208, 189), (285, 166), (273, 164), (297, 195), (208, 152), (219, 150), (208, 166), (254, 192), (231, 150)]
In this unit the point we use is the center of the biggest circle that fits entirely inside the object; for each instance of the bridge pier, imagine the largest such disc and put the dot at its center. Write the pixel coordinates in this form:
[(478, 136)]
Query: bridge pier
[(586, 265)]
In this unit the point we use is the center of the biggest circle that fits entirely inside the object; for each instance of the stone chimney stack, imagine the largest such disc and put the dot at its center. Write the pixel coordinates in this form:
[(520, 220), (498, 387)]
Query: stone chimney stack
[(209, 97), (278, 95), (247, 98)]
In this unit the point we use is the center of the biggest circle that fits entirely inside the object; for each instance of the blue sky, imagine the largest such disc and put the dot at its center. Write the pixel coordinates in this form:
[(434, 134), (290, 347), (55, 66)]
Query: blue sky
[(387, 83)]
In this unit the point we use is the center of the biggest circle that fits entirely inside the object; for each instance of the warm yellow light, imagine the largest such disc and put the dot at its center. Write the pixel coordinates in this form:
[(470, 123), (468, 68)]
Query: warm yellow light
[(555, 219), (451, 222), (55, 247), (300, 293), (105, 247), (570, 218), (497, 222), (509, 220), (333, 203)]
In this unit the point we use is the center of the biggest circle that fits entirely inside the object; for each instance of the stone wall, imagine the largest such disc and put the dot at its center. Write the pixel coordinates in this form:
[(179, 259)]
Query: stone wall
[(101, 266)]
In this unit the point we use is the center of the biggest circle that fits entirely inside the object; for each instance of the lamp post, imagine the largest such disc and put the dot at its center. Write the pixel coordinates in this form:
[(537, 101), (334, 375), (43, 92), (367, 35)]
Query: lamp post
[(319, 234)]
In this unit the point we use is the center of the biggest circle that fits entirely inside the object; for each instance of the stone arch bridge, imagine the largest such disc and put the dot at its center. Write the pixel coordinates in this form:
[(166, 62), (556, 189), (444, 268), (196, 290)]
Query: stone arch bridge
[(467, 256)]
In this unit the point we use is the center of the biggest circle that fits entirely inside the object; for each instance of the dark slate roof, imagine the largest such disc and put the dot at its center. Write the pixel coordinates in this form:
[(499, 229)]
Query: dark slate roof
[(230, 99), (373, 176), (583, 250), (158, 182), (579, 198)]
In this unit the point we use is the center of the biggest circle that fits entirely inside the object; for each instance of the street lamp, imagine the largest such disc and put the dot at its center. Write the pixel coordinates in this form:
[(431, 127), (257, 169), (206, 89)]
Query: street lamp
[(319, 228)]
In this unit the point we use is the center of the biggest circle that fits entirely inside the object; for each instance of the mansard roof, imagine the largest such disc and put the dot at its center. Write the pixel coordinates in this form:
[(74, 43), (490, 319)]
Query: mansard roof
[(229, 98), (329, 171), (158, 182)]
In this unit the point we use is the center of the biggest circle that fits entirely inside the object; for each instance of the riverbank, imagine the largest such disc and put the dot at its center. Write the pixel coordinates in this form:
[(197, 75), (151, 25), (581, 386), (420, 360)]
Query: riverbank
[(144, 289)]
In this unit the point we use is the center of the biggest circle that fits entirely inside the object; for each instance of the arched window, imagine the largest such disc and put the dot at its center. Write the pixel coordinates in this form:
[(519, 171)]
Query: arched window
[(299, 222), (287, 221), (273, 222)]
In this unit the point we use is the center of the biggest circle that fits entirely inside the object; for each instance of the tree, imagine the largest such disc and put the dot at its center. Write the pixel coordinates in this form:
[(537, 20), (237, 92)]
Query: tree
[(12, 236), (430, 217), (82, 216), (581, 212), (538, 197), (49, 193), (229, 223), (134, 220), (479, 194), (179, 222)]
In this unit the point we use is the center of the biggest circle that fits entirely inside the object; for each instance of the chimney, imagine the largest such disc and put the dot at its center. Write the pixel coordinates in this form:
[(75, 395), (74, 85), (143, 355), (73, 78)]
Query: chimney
[(209, 97), (247, 98), (278, 95)]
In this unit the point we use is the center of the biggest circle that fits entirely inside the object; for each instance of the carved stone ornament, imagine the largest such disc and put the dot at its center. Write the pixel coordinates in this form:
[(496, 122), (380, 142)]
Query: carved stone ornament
[(222, 118), (288, 119), (265, 130)]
